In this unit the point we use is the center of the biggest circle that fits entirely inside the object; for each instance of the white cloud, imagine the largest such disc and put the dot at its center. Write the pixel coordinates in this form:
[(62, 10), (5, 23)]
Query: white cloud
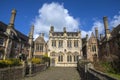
[(85, 32), (99, 25), (54, 14), (115, 21)]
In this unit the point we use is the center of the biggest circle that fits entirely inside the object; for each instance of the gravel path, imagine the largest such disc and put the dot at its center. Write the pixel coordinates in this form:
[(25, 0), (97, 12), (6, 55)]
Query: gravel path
[(56, 73)]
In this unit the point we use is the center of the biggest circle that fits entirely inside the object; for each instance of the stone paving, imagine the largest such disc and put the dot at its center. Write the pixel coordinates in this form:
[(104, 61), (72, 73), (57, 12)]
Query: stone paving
[(56, 73)]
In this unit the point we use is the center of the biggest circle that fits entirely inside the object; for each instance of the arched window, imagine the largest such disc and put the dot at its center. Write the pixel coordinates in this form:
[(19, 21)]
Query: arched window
[(60, 58), (69, 58)]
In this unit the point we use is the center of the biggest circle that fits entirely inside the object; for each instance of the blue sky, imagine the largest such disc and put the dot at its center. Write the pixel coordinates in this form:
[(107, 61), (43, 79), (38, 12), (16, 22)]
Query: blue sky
[(72, 14)]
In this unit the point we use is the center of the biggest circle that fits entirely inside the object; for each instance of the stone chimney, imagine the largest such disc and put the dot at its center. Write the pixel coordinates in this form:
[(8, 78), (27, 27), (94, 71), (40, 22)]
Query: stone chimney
[(12, 20), (31, 42), (86, 37), (41, 34), (52, 29), (64, 29), (31, 31), (96, 32), (105, 20), (101, 36)]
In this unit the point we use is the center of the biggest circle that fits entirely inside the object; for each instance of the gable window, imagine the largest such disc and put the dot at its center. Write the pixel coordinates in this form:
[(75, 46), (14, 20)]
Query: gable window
[(39, 47), (93, 48)]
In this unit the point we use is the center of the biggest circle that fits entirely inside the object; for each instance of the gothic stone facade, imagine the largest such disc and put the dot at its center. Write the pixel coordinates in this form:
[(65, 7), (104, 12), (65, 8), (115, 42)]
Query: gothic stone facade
[(64, 48), (13, 43), (40, 48)]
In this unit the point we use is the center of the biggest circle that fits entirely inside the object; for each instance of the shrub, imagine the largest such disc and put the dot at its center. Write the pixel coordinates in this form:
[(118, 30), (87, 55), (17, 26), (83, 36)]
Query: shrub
[(45, 58), (36, 60), (108, 67), (9, 63)]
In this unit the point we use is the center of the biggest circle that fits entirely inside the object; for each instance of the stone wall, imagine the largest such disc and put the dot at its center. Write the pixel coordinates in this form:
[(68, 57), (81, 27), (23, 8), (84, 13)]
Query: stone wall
[(13, 73), (38, 68)]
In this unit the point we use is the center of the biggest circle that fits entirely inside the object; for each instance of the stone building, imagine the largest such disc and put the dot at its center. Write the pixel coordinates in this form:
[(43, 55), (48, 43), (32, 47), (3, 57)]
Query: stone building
[(90, 47), (109, 44), (64, 48), (12, 42), (40, 47)]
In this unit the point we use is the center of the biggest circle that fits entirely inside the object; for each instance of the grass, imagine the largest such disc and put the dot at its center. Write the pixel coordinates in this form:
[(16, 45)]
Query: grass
[(104, 68), (116, 76)]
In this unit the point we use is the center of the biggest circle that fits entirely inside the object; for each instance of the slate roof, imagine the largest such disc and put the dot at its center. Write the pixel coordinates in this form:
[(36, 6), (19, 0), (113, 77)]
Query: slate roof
[(39, 40), (116, 30), (3, 28)]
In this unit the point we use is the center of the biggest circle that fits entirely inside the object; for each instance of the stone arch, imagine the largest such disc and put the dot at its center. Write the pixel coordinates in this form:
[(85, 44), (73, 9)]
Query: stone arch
[(76, 53), (53, 54)]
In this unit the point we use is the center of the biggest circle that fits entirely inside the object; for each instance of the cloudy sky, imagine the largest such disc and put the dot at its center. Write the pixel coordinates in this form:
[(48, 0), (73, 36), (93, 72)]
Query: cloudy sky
[(83, 15)]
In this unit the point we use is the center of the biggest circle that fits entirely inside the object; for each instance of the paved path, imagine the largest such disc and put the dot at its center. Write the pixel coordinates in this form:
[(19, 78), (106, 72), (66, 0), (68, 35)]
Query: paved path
[(55, 73)]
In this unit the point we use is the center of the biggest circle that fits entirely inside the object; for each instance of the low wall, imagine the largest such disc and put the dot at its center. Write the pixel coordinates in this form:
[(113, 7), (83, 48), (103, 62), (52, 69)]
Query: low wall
[(88, 73), (11, 73), (38, 68)]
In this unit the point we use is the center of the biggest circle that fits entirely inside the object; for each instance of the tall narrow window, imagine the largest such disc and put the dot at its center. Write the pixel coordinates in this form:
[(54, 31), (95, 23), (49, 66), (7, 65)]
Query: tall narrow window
[(60, 58), (53, 43), (75, 43), (76, 58), (39, 47), (93, 48), (69, 58), (69, 43), (60, 44)]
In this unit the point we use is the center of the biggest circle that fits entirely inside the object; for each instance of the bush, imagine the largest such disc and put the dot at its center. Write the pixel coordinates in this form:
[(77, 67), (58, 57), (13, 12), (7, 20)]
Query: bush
[(36, 60), (9, 63), (45, 58), (108, 67)]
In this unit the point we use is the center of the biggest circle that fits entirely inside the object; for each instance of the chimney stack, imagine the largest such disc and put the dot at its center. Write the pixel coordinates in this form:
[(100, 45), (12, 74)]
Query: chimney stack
[(12, 20), (42, 34), (105, 20), (52, 29), (64, 29), (96, 32), (101, 36)]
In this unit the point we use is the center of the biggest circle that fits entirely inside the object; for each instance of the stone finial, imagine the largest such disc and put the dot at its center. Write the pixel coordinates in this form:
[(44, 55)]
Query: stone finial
[(96, 32)]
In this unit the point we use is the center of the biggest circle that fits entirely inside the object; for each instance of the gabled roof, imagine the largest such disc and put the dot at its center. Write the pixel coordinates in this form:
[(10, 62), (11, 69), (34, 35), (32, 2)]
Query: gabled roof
[(3, 28), (92, 35), (40, 39), (116, 30)]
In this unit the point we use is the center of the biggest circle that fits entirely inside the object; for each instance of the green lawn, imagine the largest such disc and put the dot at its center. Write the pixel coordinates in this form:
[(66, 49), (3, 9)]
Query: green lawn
[(116, 76)]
